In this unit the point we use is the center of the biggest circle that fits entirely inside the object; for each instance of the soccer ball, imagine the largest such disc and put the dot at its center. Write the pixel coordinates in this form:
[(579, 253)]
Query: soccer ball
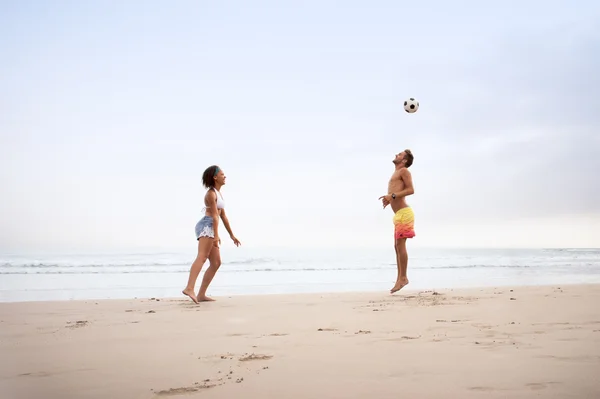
[(411, 105)]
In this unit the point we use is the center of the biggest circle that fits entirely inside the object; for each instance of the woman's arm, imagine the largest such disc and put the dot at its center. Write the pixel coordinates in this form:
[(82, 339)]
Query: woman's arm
[(226, 222), (228, 227)]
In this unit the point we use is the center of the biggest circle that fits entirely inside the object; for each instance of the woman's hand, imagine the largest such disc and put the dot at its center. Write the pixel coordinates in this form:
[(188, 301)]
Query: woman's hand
[(216, 241), (236, 241)]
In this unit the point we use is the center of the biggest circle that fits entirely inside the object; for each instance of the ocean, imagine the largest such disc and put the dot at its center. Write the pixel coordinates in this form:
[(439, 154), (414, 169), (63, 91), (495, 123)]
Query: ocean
[(46, 277)]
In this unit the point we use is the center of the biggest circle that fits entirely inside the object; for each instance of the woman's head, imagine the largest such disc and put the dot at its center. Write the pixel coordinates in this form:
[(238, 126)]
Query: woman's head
[(213, 176)]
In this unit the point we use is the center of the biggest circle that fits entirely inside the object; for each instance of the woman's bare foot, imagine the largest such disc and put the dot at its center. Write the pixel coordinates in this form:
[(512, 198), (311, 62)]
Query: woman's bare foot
[(205, 298), (399, 285), (190, 293)]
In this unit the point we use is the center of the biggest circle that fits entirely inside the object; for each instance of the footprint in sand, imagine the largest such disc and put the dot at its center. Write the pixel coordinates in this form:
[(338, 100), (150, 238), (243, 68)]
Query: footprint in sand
[(540, 385), (77, 324), (403, 338), (224, 377), (253, 356), (176, 391), (182, 390), (430, 292), (327, 329), (38, 374), (482, 389)]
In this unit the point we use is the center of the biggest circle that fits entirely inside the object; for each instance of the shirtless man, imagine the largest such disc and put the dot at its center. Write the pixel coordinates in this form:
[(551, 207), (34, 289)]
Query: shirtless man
[(399, 187)]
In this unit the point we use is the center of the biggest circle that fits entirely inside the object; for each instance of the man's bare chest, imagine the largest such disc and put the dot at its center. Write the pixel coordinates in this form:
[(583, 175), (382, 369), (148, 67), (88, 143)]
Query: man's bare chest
[(396, 180)]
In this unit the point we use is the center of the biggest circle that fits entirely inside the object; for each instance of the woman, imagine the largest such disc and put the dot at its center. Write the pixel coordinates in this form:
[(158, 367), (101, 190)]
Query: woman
[(207, 234)]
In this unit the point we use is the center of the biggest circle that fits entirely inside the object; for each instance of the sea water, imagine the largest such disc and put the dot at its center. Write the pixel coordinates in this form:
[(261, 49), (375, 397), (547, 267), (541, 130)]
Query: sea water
[(42, 277)]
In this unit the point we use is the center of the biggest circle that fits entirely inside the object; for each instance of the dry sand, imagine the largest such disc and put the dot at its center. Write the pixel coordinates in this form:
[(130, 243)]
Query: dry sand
[(478, 343)]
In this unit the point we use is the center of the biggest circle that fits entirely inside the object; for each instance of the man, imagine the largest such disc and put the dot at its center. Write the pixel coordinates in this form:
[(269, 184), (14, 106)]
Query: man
[(399, 187)]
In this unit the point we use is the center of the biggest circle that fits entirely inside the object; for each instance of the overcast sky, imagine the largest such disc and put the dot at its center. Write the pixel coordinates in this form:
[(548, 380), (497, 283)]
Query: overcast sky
[(111, 110)]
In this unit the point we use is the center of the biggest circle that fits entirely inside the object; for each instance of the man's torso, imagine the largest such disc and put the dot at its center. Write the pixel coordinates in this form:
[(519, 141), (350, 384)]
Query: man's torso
[(395, 185)]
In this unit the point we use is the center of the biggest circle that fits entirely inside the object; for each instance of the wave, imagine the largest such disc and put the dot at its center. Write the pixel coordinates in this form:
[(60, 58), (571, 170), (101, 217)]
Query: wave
[(555, 259), (494, 258), (46, 265), (140, 263), (251, 270)]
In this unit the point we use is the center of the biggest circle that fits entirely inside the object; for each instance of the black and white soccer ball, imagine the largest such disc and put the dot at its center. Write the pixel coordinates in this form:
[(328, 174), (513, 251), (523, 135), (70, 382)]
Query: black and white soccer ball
[(411, 105)]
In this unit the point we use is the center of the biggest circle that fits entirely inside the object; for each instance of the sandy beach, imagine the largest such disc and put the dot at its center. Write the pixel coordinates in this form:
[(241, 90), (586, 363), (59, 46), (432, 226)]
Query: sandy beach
[(516, 342)]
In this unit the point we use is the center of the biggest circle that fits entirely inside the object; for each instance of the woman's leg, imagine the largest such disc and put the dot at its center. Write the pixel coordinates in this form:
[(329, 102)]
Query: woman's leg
[(204, 246), (209, 274)]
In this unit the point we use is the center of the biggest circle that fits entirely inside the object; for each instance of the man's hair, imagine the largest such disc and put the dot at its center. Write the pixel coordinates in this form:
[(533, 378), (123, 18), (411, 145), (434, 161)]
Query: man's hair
[(409, 157), (208, 177)]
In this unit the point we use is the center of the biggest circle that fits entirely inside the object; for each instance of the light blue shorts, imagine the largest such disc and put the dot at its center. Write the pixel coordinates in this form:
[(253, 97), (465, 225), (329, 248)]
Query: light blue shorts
[(204, 228)]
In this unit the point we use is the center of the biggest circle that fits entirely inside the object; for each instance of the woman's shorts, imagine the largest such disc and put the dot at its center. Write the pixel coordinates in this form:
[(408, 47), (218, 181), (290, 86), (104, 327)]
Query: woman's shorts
[(204, 228)]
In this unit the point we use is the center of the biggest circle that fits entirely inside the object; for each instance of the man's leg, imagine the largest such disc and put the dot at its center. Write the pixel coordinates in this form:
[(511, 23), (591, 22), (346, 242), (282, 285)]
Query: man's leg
[(397, 258), (402, 262)]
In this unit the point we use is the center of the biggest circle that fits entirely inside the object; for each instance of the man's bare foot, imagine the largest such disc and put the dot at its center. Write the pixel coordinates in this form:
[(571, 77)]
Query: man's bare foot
[(205, 298), (190, 293), (399, 285)]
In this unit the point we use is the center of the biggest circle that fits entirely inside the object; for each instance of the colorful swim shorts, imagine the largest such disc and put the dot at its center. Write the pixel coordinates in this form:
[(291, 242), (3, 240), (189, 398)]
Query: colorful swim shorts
[(404, 223)]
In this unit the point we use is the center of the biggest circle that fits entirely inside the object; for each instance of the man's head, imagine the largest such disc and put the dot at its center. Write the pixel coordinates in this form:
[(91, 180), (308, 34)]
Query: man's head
[(404, 158), (213, 176)]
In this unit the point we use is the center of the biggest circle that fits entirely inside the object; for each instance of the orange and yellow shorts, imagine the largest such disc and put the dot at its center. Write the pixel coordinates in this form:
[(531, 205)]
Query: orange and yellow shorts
[(404, 223)]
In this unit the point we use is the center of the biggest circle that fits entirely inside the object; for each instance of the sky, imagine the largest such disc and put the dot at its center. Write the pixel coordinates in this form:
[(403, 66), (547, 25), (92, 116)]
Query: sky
[(110, 111)]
